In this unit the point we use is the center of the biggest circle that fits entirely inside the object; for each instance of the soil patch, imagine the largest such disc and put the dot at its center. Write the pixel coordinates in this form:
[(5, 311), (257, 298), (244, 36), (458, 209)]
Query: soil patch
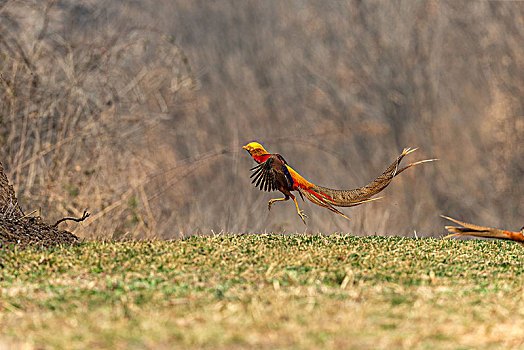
[(32, 231)]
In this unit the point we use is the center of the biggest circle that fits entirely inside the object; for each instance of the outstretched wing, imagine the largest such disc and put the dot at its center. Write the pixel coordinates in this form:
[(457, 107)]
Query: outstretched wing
[(272, 174)]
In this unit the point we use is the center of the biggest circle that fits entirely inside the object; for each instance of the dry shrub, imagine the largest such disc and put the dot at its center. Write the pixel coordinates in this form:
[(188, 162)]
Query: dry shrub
[(82, 110)]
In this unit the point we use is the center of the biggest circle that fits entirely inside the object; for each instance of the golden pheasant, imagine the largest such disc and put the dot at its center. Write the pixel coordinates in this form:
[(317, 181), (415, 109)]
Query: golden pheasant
[(273, 173), (481, 231)]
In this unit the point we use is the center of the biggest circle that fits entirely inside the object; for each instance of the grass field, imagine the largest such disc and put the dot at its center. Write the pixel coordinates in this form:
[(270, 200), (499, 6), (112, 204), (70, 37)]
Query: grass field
[(265, 291)]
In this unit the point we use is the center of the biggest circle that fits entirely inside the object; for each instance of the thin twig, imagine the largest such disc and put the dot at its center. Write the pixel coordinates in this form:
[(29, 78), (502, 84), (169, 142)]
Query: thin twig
[(27, 215), (84, 216)]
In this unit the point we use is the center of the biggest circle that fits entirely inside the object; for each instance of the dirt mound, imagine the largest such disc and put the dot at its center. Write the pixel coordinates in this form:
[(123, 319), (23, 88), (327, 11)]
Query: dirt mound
[(20, 230), (32, 231)]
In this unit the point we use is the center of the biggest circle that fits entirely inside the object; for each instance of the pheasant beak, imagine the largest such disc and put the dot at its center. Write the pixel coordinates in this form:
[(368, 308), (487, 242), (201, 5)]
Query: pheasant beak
[(247, 148)]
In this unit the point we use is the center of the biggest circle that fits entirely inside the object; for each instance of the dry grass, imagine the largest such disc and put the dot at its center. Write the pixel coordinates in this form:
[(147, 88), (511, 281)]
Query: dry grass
[(266, 291), (83, 113), (126, 107)]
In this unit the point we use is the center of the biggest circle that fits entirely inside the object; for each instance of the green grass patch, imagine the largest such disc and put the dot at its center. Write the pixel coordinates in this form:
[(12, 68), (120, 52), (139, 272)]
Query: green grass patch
[(265, 291)]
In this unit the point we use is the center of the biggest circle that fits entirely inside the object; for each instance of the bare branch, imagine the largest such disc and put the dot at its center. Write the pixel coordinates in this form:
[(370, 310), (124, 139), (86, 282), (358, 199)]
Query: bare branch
[(84, 216)]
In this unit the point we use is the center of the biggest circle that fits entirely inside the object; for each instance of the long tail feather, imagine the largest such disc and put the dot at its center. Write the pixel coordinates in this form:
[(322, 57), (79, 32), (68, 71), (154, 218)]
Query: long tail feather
[(415, 163), (482, 231), (325, 197), (467, 225)]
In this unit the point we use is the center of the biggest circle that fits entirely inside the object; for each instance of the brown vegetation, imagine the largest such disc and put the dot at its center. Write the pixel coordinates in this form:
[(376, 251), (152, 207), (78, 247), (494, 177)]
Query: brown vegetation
[(101, 109), (17, 229)]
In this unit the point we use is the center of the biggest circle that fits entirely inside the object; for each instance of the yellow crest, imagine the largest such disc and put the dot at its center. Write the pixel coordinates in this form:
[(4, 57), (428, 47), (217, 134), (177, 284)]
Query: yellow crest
[(254, 146)]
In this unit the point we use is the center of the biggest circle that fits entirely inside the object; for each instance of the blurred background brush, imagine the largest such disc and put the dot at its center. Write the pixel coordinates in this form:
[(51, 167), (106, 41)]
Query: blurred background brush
[(138, 110)]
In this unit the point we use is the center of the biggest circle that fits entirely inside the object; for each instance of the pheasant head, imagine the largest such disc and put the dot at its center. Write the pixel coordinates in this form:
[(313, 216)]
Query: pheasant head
[(255, 149)]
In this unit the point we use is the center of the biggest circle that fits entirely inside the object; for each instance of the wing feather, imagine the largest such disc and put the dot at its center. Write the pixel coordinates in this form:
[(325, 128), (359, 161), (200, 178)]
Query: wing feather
[(271, 174)]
